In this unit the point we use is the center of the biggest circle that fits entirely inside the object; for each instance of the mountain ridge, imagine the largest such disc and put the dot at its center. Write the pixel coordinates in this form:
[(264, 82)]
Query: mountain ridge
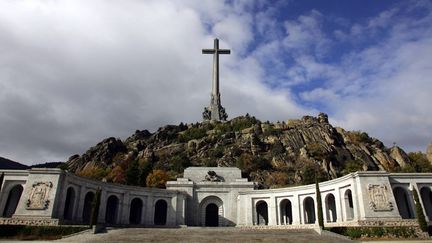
[(271, 154)]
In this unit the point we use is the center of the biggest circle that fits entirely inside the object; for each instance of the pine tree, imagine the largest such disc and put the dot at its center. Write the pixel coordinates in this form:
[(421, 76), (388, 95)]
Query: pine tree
[(95, 208), (1, 179), (133, 174), (419, 212), (319, 204)]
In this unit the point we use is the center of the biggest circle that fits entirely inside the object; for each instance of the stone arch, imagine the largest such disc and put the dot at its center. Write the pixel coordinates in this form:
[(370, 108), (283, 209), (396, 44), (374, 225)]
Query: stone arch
[(135, 213), (349, 205), (403, 203), (212, 211), (87, 208), (111, 209), (426, 196), (69, 204), (261, 213), (12, 201), (285, 207), (160, 215), (309, 210), (330, 205)]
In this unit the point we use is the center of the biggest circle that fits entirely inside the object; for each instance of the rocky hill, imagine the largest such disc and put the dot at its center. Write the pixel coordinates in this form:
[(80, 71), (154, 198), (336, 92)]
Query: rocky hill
[(11, 165), (272, 154)]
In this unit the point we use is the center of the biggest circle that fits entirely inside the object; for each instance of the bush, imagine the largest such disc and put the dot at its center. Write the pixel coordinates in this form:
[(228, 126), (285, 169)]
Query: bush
[(179, 162), (193, 133), (419, 163), (357, 137), (93, 172), (419, 212), (352, 166), (376, 232), (37, 232), (157, 178)]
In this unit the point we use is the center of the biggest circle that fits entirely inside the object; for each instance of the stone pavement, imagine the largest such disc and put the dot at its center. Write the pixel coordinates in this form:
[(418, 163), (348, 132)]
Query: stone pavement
[(203, 234)]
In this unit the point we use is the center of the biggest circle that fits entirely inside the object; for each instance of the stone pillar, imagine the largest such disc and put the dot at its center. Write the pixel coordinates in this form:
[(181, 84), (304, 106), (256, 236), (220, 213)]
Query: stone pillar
[(272, 208), (102, 207), (80, 204), (125, 208), (296, 210), (144, 212), (338, 199), (149, 211)]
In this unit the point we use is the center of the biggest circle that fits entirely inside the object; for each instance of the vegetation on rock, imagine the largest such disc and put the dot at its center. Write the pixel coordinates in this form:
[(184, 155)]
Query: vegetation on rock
[(271, 154)]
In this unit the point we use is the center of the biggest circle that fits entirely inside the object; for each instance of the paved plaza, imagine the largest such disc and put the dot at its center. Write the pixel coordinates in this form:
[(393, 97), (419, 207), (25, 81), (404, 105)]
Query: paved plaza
[(202, 234)]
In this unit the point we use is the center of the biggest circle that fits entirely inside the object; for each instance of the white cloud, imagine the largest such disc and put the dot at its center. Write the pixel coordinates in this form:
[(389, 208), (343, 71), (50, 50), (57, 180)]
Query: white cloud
[(75, 72)]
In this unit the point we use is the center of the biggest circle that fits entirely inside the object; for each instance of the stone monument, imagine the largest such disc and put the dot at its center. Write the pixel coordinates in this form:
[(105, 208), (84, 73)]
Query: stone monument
[(215, 112)]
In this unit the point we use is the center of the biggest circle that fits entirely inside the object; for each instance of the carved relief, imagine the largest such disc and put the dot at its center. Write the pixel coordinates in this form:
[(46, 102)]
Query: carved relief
[(379, 198), (212, 176), (39, 194)]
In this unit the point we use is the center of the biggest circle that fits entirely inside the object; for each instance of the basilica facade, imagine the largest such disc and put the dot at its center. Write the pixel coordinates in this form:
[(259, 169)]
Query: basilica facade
[(214, 196)]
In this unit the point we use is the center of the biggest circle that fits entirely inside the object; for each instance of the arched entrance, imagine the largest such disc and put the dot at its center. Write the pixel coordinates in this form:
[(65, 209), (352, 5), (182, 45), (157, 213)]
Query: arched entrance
[(212, 215), (135, 211), (12, 201), (262, 213), (87, 210), (111, 210), (286, 212), (349, 205), (403, 203), (426, 196), (330, 208), (69, 204), (309, 210), (160, 215)]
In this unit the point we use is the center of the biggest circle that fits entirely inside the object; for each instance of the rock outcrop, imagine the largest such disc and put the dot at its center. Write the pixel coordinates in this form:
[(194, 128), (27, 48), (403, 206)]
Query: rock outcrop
[(269, 153)]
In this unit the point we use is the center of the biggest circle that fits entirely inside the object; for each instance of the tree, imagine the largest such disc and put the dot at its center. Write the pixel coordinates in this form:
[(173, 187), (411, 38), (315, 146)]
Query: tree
[(133, 174), (95, 208), (117, 175), (419, 212), (157, 178), (1, 179), (319, 205), (419, 163)]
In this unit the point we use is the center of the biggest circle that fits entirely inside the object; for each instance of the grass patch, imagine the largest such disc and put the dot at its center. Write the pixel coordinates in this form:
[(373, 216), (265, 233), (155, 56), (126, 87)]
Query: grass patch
[(22, 232), (376, 232)]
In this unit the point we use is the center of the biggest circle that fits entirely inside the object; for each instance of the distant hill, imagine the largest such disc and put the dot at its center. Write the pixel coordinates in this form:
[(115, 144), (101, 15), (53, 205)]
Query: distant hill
[(11, 165), (48, 165), (271, 154)]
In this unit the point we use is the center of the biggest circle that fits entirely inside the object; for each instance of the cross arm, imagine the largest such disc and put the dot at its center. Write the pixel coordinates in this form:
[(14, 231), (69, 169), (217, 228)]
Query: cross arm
[(224, 51), (208, 51)]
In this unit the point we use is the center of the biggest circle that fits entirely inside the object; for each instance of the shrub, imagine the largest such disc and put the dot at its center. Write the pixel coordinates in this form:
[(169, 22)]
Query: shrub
[(352, 166), (193, 133), (419, 163), (95, 208), (419, 212), (93, 172), (157, 178), (179, 162), (319, 205), (357, 137)]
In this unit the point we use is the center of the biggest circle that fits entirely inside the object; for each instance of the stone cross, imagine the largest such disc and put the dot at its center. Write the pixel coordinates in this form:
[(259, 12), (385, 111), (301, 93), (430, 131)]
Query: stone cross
[(215, 112)]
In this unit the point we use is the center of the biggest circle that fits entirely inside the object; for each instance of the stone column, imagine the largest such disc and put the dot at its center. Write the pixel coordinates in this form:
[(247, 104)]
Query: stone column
[(125, 208), (272, 214), (338, 199), (296, 210), (80, 204), (102, 208), (149, 211)]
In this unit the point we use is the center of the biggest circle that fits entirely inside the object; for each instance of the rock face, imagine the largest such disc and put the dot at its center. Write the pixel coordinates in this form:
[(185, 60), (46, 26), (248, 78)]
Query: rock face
[(269, 153), (429, 153)]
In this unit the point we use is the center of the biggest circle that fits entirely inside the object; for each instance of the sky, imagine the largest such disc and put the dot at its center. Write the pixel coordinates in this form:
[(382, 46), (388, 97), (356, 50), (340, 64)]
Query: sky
[(74, 72)]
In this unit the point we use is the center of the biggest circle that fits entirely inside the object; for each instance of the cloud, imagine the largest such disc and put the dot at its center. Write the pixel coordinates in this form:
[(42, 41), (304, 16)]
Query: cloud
[(75, 72)]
